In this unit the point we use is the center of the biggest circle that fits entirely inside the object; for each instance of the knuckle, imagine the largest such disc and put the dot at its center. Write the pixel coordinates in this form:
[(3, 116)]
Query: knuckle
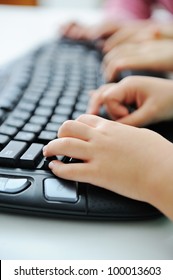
[(65, 142), (60, 171), (128, 81), (81, 117), (154, 111), (64, 128), (121, 63)]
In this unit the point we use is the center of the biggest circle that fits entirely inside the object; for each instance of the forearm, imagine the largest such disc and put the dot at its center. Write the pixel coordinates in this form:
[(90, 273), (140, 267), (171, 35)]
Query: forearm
[(123, 9), (159, 189), (166, 31)]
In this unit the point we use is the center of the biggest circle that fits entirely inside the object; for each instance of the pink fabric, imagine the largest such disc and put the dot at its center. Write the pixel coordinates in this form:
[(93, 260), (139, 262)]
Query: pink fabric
[(168, 4), (135, 9)]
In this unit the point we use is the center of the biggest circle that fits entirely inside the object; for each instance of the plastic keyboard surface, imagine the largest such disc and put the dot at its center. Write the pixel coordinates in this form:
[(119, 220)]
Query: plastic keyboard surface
[(37, 94)]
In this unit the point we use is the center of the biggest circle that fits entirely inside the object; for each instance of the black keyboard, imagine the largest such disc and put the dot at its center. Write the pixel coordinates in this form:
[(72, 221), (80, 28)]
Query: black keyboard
[(37, 94)]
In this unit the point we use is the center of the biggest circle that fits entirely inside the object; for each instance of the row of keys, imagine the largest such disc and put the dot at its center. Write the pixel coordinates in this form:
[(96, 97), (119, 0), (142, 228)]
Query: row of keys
[(56, 190), (17, 153)]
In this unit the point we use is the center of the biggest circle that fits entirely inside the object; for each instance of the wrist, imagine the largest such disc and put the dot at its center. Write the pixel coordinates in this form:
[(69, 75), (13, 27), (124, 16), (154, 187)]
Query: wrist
[(159, 186)]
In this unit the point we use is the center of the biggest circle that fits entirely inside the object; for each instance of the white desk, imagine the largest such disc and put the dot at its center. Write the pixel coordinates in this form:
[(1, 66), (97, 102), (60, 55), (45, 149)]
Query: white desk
[(23, 237)]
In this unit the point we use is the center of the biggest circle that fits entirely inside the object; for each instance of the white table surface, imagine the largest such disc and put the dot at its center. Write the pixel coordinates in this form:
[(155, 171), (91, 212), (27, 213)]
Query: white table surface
[(26, 237)]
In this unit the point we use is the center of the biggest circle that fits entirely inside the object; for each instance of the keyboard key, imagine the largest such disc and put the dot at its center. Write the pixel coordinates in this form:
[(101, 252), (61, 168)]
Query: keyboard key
[(67, 101), (8, 130), (14, 122), (49, 102), (32, 156), (4, 139), (63, 110), (43, 111), (42, 120), (6, 104), (32, 127), (2, 112), (52, 127), (25, 136), (9, 156), (60, 190), (29, 107), (13, 185), (21, 114), (46, 136), (71, 92), (59, 119), (80, 106), (76, 114)]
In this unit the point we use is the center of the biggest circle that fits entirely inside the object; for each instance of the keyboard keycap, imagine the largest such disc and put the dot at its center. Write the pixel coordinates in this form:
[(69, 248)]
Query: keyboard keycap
[(42, 120), (9, 156), (14, 122), (32, 156), (32, 127), (8, 130), (6, 104), (59, 119), (60, 190), (43, 111), (25, 136), (46, 136), (53, 127), (4, 139), (20, 114), (2, 112), (13, 185)]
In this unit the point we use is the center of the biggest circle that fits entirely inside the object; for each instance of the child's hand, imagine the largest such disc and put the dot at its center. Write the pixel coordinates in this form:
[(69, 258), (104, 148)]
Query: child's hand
[(78, 31), (152, 55), (120, 158), (137, 32), (153, 98), (131, 33)]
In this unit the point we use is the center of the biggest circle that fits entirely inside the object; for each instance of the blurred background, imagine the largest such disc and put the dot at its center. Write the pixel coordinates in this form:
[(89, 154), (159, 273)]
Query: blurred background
[(33, 22), (56, 3)]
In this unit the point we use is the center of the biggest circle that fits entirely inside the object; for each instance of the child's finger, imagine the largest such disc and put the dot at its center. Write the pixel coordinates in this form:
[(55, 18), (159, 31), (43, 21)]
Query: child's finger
[(90, 120), (69, 147), (98, 98), (140, 117), (71, 171), (116, 110), (75, 129)]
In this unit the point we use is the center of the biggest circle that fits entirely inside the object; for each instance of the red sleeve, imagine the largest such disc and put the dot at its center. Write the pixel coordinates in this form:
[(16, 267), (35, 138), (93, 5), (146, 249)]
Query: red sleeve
[(128, 9)]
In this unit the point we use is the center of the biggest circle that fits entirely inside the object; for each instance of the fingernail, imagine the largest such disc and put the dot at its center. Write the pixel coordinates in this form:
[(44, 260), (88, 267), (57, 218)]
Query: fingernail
[(51, 165)]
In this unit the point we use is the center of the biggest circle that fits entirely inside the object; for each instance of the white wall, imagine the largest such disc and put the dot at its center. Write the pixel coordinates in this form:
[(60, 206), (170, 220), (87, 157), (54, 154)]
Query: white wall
[(71, 3)]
